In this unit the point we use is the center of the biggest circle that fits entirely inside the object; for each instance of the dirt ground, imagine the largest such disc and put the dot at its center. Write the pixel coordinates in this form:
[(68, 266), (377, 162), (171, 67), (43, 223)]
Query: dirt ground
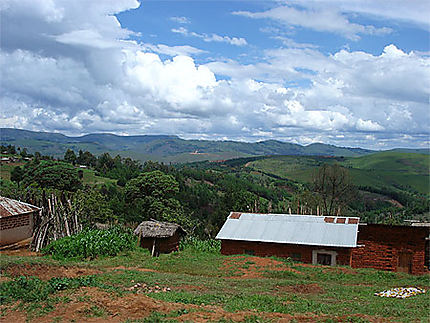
[(46, 272), (300, 289), (91, 304), (22, 252), (102, 306), (253, 267)]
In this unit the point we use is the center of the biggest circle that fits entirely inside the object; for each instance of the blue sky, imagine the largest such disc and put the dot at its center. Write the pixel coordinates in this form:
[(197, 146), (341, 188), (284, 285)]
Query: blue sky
[(350, 73)]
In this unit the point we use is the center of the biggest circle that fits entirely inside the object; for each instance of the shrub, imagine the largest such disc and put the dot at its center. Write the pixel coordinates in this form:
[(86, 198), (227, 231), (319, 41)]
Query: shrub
[(32, 289), (92, 243), (210, 245)]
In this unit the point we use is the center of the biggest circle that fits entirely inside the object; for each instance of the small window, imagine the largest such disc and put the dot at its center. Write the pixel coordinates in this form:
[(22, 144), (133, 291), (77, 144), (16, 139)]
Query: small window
[(324, 259), (249, 252), (296, 256)]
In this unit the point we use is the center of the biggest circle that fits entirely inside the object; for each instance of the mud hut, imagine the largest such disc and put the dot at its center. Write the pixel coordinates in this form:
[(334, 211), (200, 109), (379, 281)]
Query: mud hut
[(159, 237)]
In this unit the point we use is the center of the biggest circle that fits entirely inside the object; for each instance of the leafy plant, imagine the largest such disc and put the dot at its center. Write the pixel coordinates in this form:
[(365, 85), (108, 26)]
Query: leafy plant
[(92, 244), (210, 245), (32, 289)]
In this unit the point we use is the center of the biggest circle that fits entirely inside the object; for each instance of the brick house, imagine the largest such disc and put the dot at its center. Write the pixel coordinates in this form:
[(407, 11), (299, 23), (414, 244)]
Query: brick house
[(327, 241), (305, 238), (16, 220)]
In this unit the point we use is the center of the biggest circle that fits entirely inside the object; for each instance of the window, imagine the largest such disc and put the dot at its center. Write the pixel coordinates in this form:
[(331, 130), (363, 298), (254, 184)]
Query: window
[(249, 252), (324, 257)]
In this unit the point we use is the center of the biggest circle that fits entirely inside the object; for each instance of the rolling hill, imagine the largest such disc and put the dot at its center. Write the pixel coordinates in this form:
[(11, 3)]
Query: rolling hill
[(164, 148), (390, 169)]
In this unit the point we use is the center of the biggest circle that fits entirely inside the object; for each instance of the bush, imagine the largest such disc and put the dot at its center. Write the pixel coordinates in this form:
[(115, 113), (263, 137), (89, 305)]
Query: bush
[(92, 243), (211, 245), (32, 289)]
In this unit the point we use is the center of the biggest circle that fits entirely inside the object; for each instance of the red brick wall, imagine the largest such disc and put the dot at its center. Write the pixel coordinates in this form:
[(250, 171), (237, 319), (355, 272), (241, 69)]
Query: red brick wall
[(266, 249), (15, 221), (383, 244), (15, 228)]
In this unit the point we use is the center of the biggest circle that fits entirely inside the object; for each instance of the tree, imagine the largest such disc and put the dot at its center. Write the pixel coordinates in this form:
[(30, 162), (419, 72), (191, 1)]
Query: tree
[(86, 158), (333, 185), (17, 174), (49, 174), (155, 193), (24, 153), (93, 206), (70, 156)]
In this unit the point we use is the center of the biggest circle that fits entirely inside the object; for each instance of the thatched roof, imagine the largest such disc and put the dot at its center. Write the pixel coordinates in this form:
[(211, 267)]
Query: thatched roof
[(156, 229)]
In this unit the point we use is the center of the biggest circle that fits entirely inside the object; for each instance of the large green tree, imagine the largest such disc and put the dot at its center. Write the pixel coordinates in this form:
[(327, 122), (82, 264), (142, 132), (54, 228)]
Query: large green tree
[(155, 192), (50, 174), (70, 156), (17, 174)]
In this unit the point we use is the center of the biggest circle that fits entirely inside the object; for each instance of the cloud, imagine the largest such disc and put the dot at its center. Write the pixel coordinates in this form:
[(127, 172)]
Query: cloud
[(183, 50), (322, 19), (413, 11), (236, 41), (180, 20), (79, 73)]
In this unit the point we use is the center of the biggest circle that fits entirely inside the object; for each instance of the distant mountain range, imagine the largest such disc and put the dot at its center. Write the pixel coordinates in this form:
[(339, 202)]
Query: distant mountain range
[(166, 148)]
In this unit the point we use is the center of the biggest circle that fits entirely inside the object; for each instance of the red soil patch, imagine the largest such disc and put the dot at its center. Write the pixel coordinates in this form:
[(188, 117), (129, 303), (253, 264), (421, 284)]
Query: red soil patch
[(253, 267), (23, 252), (119, 309), (136, 306), (300, 289), (46, 272), (132, 268), (190, 288)]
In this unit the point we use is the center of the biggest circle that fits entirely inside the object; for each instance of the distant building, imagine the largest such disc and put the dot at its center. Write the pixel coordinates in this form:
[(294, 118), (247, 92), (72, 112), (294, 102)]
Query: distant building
[(326, 240), (16, 220), (159, 237)]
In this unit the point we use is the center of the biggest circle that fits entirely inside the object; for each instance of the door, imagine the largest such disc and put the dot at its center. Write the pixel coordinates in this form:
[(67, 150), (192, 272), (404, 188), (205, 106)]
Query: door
[(405, 262)]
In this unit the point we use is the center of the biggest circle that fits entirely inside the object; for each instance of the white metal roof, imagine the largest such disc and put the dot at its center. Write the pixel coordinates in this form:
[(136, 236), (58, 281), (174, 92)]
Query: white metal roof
[(294, 229)]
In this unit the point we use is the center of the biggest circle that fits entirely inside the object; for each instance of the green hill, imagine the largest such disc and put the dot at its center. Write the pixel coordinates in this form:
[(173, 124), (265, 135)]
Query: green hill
[(390, 169), (164, 148)]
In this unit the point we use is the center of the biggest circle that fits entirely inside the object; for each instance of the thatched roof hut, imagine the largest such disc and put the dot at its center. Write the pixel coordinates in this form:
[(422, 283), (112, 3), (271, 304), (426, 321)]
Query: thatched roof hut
[(159, 236)]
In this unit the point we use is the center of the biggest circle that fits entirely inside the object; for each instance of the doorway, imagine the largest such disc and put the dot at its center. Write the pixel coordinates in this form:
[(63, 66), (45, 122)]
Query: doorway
[(404, 264)]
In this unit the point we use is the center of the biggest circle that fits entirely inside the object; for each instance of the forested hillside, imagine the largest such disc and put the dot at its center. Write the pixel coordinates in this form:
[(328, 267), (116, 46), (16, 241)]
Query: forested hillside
[(387, 187)]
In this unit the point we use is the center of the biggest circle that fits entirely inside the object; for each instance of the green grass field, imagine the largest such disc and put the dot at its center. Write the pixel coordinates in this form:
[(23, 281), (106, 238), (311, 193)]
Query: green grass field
[(385, 169), (204, 285), (90, 178)]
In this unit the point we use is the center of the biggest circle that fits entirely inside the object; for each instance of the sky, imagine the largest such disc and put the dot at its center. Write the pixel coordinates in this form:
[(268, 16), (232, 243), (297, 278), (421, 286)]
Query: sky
[(350, 73)]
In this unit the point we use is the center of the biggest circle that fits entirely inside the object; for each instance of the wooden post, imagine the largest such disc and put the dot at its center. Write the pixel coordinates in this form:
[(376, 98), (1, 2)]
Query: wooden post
[(153, 247)]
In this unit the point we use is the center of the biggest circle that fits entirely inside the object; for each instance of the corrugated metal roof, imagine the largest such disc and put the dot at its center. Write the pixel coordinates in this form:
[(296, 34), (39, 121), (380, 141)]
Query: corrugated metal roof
[(294, 229), (10, 207)]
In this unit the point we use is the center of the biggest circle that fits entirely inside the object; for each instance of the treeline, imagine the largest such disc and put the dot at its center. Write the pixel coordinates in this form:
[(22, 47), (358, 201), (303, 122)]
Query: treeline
[(198, 196), (22, 153)]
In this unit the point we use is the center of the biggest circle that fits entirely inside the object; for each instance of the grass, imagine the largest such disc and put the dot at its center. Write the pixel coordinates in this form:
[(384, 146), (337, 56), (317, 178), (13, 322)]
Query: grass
[(389, 169), (90, 178), (200, 278)]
